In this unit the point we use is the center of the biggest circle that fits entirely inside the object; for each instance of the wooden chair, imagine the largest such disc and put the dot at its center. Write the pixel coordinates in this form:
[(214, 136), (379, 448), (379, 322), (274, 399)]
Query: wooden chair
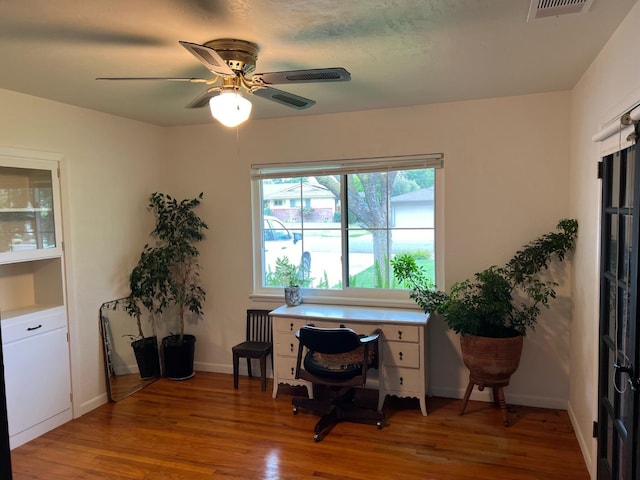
[(338, 358), (258, 344)]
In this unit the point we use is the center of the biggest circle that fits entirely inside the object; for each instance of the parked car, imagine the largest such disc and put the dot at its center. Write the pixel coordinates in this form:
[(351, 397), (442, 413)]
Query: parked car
[(280, 242)]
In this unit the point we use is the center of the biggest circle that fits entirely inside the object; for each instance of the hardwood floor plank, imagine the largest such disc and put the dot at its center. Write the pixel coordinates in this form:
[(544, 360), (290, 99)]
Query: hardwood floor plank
[(202, 428)]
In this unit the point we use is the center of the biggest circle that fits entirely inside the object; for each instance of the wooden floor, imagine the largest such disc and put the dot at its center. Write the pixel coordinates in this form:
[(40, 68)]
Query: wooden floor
[(203, 428)]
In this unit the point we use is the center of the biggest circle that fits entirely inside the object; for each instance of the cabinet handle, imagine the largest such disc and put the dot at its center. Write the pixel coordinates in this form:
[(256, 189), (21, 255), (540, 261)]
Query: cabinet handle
[(401, 381), (291, 347), (399, 334), (400, 355), (31, 329), (293, 371), (291, 327)]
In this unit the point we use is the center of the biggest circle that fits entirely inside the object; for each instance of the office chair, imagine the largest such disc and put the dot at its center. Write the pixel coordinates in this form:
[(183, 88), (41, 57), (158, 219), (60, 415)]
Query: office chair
[(338, 358), (258, 344)]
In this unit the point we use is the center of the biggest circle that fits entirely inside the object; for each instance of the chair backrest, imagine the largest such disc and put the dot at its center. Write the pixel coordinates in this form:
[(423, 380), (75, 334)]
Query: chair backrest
[(259, 326), (329, 340)]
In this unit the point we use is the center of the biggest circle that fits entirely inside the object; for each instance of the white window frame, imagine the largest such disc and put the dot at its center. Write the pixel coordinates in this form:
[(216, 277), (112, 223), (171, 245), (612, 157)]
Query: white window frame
[(349, 296)]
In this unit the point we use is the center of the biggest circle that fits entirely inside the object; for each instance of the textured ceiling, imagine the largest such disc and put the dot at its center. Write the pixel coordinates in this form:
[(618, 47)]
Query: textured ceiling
[(399, 52)]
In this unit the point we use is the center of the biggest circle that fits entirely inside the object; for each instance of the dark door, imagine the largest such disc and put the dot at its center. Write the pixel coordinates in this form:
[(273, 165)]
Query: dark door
[(618, 345), (5, 454)]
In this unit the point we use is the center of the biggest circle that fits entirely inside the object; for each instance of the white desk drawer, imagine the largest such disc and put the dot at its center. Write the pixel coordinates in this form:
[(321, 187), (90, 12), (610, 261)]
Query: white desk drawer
[(401, 354), (401, 333), (287, 345), (403, 379), (286, 367), (289, 325)]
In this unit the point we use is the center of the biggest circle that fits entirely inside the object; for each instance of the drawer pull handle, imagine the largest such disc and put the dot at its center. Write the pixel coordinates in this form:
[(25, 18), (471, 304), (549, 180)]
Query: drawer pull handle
[(293, 371), (291, 347), (291, 327), (401, 381), (399, 334), (400, 355), (31, 329)]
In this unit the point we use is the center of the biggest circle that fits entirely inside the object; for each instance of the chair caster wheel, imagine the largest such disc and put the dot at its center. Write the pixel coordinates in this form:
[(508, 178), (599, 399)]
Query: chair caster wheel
[(316, 438), (295, 410), (379, 425)]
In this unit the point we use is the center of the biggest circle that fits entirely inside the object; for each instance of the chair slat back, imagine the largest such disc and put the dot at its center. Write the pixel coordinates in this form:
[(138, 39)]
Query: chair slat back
[(328, 340), (259, 326)]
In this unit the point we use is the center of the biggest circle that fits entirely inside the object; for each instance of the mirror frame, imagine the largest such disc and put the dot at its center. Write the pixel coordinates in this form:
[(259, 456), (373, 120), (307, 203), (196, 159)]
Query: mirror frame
[(123, 352)]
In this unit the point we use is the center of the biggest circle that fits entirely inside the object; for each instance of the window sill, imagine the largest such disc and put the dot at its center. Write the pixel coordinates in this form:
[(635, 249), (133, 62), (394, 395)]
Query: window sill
[(339, 300)]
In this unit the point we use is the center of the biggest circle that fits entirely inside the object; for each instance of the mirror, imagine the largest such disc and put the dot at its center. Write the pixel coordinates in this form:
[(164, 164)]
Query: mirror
[(130, 358)]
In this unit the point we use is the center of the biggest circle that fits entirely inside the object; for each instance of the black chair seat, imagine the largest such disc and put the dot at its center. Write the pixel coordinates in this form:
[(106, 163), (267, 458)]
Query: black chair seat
[(253, 349)]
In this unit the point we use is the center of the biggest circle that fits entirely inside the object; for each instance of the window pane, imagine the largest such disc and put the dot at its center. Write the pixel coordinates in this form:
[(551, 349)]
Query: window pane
[(387, 213), (385, 208)]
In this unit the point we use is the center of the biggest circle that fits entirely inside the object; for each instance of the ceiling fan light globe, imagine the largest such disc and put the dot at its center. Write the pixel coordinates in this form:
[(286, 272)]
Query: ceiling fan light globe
[(230, 108)]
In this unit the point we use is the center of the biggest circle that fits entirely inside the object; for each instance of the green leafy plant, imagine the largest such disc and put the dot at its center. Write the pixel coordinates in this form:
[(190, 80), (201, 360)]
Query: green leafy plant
[(498, 301), (167, 273), (286, 273)]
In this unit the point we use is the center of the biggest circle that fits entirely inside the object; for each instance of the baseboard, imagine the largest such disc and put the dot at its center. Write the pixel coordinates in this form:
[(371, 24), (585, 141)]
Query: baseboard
[(226, 368), (92, 404), (214, 367), (583, 442), (512, 398)]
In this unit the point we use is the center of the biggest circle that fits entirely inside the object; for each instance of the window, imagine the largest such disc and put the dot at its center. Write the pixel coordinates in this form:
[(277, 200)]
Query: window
[(344, 222)]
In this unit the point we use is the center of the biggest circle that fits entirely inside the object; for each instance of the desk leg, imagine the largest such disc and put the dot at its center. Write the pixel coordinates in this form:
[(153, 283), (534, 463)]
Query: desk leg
[(423, 405)]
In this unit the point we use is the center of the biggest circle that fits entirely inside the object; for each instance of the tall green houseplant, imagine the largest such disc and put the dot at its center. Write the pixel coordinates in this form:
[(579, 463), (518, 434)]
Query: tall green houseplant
[(167, 278), (177, 231)]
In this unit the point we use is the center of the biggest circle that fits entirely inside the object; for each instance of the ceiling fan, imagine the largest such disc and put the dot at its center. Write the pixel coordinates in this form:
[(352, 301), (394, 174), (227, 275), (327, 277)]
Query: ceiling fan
[(232, 62)]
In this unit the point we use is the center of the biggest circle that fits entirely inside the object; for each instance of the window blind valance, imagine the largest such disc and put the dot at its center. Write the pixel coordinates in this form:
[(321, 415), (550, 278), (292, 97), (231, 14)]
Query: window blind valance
[(347, 166), (620, 126)]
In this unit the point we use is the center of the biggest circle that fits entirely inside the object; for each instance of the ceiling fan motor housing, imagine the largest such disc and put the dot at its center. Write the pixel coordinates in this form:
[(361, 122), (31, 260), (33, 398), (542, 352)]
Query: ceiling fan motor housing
[(240, 55)]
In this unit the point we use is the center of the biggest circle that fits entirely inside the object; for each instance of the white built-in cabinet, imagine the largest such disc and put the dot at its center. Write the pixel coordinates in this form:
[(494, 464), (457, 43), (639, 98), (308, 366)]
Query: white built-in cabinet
[(33, 314)]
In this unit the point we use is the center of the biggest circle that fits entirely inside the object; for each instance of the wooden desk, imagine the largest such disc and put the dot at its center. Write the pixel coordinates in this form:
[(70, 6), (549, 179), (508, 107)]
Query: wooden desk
[(402, 371)]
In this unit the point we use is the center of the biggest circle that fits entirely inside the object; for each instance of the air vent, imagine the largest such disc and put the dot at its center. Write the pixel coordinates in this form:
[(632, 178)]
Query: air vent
[(554, 8)]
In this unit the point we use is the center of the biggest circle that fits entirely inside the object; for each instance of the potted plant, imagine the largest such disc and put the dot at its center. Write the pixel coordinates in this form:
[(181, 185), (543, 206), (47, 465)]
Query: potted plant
[(493, 311), (167, 276), (143, 296), (288, 275)]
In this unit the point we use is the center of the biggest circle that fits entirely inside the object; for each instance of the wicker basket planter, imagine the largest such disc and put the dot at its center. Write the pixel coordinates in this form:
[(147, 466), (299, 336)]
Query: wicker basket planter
[(491, 361)]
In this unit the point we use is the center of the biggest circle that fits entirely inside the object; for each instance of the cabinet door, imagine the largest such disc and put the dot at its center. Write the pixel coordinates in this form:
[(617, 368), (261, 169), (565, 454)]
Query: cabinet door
[(37, 379), (29, 209)]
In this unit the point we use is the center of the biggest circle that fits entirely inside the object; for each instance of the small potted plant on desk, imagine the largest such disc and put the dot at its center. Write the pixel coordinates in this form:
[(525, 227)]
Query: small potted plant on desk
[(493, 311), (167, 276), (288, 275)]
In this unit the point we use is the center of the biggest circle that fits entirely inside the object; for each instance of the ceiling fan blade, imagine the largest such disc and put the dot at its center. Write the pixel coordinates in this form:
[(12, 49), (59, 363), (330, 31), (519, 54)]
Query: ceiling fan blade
[(285, 98), (202, 100), (168, 79), (336, 74), (209, 58)]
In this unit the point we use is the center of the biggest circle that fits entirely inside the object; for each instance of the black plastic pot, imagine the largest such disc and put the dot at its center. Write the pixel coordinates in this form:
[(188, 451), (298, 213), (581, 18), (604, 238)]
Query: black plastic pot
[(146, 352), (178, 356)]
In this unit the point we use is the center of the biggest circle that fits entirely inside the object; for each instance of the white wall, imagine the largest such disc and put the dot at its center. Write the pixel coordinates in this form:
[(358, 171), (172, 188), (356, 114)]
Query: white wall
[(506, 176), (110, 166), (611, 84)]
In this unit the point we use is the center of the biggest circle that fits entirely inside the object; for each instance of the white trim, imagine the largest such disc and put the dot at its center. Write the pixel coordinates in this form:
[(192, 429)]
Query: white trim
[(346, 166)]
